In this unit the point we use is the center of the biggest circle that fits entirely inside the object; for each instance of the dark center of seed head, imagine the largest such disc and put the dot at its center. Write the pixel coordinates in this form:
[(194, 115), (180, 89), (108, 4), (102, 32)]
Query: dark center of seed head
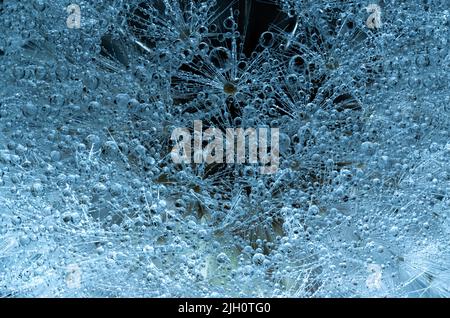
[(229, 88)]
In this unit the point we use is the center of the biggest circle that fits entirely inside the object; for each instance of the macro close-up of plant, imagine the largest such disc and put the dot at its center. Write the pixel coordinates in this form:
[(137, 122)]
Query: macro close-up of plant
[(314, 159)]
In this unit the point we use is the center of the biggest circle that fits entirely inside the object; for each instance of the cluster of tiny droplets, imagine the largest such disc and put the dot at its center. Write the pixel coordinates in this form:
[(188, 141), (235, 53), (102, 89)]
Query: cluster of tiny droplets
[(91, 203)]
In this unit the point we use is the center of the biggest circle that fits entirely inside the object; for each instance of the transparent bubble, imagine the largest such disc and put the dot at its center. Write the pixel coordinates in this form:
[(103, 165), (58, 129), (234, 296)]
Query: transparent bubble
[(297, 64), (220, 58), (423, 60), (91, 81), (18, 72), (229, 23), (29, 109), (267, 39)]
